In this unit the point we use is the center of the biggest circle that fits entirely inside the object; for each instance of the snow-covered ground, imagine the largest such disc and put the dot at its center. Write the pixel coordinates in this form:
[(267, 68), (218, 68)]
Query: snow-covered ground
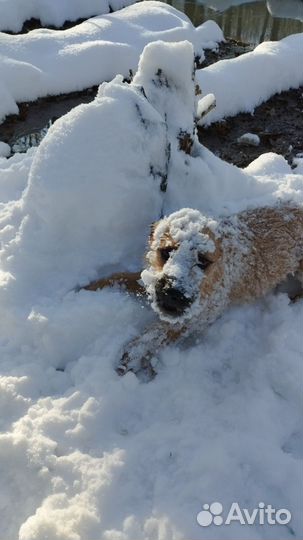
[(15, 12), (85, 454), (245, 82), (45, 62)]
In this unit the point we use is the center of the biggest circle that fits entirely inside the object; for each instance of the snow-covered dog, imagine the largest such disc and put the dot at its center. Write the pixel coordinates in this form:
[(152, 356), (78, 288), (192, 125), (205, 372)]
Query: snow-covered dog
[(197, 266)]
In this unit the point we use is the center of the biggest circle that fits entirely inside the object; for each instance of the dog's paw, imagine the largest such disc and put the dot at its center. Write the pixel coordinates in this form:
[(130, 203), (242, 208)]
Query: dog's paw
[(140, 354), (141, 366)]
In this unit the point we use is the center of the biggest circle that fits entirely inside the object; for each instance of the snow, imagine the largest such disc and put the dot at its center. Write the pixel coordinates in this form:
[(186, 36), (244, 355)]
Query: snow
[(4, 149), (86, 454), (205, 105), (298, 161), (250, 139), (60, 245), (47, 62), (96, 456), (241, 84), (14, 176), (15, 12)]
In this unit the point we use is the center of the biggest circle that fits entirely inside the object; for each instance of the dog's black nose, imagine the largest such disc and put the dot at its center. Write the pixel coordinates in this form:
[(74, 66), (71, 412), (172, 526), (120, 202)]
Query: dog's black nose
[(169, 298)]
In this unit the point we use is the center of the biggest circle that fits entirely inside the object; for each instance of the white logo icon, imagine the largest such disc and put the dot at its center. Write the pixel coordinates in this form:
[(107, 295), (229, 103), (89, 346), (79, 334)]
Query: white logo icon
[(210, 514)]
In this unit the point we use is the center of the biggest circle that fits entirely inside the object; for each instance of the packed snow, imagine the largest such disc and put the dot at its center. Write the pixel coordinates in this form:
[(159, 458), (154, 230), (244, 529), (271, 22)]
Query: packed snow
[(86, 454)]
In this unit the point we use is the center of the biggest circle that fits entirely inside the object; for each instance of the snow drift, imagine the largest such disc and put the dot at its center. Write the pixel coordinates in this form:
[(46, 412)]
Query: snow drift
[(15, 12), (243, 83), (47, 62)]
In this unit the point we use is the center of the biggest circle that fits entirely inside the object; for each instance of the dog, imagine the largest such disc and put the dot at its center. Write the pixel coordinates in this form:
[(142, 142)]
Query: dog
[(197, 266)]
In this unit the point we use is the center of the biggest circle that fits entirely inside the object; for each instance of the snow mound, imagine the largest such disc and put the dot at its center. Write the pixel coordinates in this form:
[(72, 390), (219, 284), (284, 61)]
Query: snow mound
[(78, 207), (243, 83), (44, 62), (15, 12)]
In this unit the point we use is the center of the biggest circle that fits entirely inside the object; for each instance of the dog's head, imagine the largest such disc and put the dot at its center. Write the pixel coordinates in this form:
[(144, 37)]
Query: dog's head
[(184, 264)]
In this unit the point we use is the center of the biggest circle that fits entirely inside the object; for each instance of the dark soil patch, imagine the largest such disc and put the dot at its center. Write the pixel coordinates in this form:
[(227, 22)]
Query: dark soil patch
[(277, 122), (228, 49), (35, 116), (35, 24)]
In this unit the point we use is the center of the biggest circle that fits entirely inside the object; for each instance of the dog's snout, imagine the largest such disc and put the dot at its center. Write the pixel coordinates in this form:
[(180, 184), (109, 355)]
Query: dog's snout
[(170, 298)]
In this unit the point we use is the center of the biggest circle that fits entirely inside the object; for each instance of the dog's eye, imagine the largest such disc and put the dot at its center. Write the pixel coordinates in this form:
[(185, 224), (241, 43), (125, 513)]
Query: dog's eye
[(203, 262), (165, 253)]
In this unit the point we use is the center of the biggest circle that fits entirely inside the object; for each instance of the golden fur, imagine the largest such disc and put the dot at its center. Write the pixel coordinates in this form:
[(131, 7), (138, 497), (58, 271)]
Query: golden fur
[(124, 279), (272, 238), (254, 251)]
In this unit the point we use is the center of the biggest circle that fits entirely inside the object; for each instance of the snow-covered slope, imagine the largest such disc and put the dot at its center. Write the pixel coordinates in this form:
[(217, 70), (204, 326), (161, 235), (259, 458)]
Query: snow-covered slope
[(13, 13), (100, 457)]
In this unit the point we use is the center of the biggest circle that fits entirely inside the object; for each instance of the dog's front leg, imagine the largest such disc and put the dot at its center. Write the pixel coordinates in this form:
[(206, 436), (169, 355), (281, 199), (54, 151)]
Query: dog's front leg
[(126, 280), (138, 353)]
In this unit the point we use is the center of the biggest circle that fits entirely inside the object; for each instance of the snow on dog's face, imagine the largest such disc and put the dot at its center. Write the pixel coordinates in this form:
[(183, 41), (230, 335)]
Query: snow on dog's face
[(183, 250)]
